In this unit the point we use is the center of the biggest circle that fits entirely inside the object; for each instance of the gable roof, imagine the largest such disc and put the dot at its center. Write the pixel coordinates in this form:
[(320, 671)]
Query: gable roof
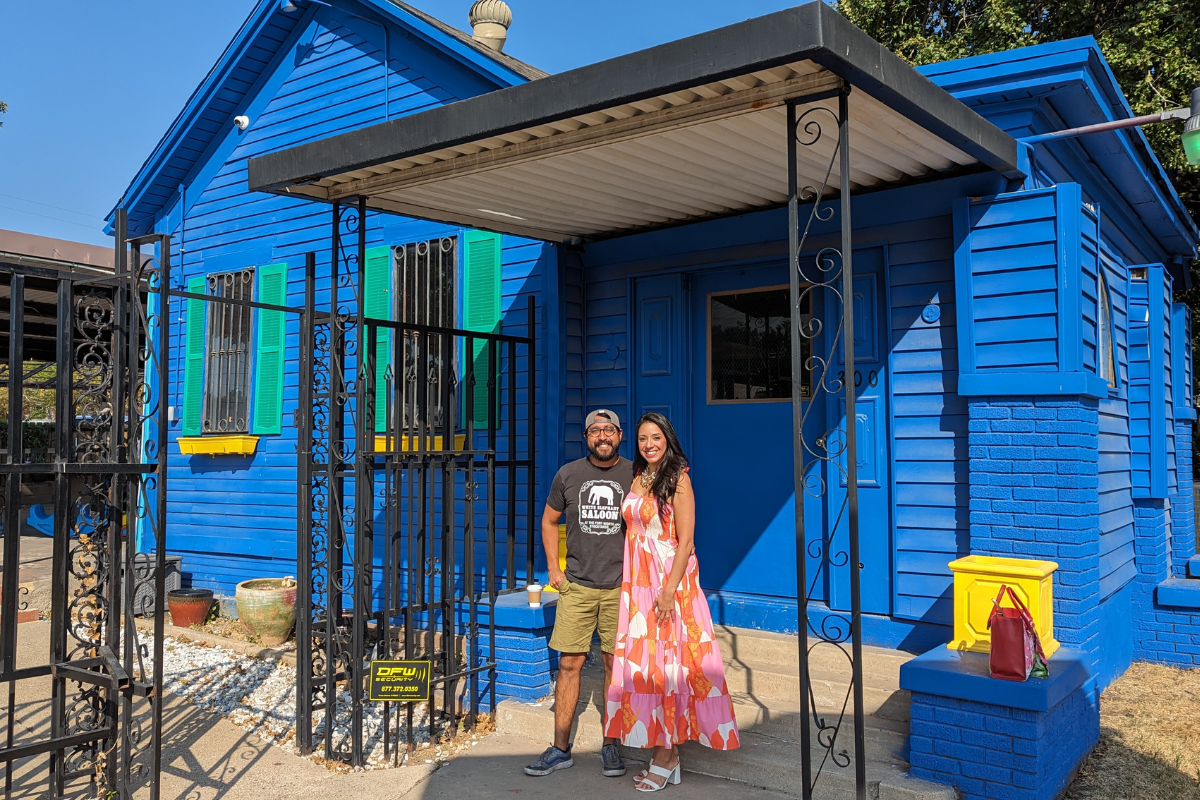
[(246, 63), (1075, 87)]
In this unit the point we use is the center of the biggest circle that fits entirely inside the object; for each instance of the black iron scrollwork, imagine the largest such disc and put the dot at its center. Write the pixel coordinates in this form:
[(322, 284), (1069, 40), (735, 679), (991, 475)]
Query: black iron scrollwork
[(822, 446)]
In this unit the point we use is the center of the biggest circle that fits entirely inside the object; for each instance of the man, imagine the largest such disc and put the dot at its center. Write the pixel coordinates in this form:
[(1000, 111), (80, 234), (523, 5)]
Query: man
[(590, 491)]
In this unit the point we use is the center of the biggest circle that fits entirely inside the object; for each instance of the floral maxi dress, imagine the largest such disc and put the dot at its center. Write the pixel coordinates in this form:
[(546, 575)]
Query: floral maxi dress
[(668, 680)]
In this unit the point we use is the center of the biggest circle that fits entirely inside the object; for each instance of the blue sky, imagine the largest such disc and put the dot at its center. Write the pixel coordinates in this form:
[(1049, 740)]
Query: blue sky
[(92, 86)]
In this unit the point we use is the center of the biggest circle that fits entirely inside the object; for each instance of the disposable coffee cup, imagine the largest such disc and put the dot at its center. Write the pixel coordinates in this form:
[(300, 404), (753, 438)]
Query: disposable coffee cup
[(534, 592)]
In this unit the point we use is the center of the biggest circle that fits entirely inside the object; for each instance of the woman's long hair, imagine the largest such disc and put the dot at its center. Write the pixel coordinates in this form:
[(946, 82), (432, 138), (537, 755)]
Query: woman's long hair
[(673, 463)]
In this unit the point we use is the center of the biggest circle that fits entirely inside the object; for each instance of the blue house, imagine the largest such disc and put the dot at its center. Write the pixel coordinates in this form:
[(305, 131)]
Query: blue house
[(1022, 382)]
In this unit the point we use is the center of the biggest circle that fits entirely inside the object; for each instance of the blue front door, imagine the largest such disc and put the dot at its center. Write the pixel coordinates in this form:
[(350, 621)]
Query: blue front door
[(712, 350), (740, 398), (870, 382)]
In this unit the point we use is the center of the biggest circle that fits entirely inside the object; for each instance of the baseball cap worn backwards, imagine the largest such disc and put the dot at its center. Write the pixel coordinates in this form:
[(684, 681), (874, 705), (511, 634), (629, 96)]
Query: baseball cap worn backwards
[(602, 413)]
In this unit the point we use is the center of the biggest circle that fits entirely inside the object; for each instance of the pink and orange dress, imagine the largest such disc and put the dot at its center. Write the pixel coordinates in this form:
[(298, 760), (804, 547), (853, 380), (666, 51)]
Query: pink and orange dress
[(668, 680)]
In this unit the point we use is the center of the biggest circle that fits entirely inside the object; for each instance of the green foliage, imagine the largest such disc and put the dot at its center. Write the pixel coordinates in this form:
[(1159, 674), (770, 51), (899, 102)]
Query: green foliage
[(3, 110), (1152, 46)]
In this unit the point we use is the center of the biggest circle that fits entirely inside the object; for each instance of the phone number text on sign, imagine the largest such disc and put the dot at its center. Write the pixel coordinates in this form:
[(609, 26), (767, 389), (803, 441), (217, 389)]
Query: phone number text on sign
[(400, 681)]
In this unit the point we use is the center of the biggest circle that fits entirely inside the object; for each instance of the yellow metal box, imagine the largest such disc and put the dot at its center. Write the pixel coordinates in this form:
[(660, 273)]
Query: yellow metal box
[(977, 581)]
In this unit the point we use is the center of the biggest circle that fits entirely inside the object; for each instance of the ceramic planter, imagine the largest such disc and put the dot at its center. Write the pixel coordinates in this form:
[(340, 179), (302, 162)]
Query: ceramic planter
[(189, 606), (268, 606)]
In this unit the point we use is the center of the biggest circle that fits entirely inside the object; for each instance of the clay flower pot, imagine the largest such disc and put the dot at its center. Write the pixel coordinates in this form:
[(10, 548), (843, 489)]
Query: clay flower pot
[(189, 606), (268, 606)]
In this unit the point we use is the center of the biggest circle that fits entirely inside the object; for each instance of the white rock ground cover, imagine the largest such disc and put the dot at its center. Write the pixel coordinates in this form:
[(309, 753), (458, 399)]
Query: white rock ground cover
[(260, 696)]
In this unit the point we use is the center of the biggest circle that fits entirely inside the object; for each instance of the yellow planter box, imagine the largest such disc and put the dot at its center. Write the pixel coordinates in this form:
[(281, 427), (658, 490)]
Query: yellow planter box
[(562, 552), (409, 444), (977, 581), (234, 444)]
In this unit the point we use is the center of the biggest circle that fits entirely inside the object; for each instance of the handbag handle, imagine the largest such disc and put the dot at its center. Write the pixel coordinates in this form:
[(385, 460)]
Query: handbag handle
[(1026, 617)]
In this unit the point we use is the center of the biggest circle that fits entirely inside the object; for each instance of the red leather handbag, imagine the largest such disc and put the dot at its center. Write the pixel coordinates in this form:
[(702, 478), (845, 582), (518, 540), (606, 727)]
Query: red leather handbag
[(1016, 650)]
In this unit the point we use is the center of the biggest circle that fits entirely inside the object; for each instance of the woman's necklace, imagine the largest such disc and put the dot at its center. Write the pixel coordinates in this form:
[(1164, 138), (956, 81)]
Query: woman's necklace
[(647, 479)]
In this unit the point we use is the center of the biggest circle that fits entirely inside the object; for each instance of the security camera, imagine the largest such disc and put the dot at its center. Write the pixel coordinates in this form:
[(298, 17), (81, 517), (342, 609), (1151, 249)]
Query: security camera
[(242, 122)]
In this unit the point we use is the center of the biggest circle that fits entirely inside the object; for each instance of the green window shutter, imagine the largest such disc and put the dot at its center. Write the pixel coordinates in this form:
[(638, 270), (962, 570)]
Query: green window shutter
[(481, 308), (269, 351), (377, 304), (193, 367)]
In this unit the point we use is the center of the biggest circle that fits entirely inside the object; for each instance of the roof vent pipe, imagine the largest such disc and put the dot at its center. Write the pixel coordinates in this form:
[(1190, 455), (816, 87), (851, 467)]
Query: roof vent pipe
[(490, 20)]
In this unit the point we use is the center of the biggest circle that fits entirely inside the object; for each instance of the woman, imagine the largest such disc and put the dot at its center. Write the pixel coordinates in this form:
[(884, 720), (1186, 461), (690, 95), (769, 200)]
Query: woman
[(668, 680)]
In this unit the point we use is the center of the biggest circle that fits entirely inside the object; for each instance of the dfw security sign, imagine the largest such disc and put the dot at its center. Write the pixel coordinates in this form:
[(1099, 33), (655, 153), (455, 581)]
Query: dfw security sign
[(400, 681)]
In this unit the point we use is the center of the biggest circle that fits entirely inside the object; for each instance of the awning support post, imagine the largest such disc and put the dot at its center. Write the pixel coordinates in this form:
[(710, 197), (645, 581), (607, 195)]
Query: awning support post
[(860, 746), (825, 458)]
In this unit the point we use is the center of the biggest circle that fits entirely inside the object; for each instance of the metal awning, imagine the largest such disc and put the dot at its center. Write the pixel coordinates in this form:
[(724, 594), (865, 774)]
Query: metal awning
[(686, 131)]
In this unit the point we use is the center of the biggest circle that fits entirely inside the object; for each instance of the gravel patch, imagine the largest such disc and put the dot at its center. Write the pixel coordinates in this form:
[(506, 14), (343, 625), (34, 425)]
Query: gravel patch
[(260, 696)]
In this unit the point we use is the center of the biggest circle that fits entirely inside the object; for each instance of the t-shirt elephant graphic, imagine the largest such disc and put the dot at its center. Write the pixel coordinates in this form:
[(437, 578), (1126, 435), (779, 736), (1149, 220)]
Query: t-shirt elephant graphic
[(599, 491)]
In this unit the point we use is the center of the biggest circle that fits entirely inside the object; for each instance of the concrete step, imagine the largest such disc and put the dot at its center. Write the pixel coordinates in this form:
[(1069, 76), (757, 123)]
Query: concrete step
[(769, 685), (762, 676), (768, 761), (782, 649)]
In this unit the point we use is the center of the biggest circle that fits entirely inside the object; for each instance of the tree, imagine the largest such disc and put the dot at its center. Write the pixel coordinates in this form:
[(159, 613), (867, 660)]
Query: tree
[(3, 109), (1152, 46)]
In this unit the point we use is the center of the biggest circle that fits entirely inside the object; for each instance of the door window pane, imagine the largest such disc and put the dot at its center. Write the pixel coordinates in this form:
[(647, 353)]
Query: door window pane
[(750, 346)]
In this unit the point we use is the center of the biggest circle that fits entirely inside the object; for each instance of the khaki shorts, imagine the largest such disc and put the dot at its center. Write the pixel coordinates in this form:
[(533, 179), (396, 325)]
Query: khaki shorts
[(581, 611)]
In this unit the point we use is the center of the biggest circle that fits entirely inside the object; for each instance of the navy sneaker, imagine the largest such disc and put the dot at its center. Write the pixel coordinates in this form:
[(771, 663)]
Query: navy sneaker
[(610, 757), (550, 760)]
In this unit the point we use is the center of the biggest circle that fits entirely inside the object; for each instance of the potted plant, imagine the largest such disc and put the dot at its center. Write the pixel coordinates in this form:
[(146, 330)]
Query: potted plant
[(268, 607), (189, 606)]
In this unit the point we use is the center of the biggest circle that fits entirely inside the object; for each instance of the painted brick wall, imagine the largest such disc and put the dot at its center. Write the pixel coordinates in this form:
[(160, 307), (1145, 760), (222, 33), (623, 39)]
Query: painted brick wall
[(1183, 513), (1165, 532), (992, 751), (1034, 494), (524, 664)]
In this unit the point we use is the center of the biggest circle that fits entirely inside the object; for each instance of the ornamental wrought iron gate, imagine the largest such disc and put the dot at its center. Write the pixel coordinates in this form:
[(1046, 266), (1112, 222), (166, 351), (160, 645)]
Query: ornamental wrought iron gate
[(98, 719), (417, 445)]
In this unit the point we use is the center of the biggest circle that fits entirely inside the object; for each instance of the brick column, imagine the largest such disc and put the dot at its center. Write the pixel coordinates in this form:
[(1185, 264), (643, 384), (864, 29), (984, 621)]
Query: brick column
[(1183, 514), (524, 660), (1034, 487)]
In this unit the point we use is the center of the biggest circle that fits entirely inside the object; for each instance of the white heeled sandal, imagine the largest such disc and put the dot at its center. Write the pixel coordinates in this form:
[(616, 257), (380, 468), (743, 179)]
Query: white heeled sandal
[(670, 776)]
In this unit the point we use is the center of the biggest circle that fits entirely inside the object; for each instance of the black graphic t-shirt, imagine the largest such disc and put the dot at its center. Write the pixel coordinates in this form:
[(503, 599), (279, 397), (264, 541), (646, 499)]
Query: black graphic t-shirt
[(591, 496)]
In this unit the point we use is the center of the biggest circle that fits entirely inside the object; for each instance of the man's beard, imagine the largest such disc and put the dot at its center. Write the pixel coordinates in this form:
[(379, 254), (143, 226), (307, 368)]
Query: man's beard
[(593, 449)]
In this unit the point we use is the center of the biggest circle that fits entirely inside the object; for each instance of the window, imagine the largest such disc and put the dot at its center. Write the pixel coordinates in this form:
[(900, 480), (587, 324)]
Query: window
[(1105, 358), (750, 346), (227, 354), (419, 283)]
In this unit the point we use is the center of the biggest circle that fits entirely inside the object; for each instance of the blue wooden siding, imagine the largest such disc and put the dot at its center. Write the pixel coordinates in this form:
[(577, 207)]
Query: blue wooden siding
[(573, 383), (1151, 400), (1168, 361), (1183, 400), (1008, 257), (929, 424), (1115, 480), (1026, 265), (233, 518)]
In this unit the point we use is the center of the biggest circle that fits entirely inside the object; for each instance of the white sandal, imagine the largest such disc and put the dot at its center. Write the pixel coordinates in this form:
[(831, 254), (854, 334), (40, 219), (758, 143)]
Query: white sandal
[(669, 776)]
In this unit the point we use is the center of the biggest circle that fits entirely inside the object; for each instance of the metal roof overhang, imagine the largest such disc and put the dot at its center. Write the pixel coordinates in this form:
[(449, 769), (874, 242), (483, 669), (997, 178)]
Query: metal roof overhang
[(686, 131)]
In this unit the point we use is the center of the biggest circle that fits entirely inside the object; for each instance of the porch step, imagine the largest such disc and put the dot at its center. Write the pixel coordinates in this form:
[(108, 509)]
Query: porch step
[(765, 688)]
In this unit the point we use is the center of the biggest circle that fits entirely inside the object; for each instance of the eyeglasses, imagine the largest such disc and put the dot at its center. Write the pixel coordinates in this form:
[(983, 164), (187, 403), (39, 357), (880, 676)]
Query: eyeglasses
[(607, 430)]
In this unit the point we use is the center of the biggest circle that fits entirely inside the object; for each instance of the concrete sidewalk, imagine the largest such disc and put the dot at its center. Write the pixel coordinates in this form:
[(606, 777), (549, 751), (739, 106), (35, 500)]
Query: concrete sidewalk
[(494, 769)]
